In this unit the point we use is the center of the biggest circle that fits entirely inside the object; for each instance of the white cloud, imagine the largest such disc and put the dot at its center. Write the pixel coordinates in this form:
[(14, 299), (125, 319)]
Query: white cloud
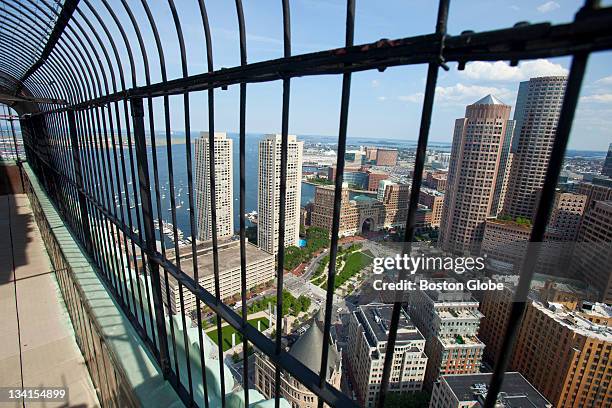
[(515, 7), (415, 97), (597, 98), (375, 83), (461, 94), (548, 7), (604, 81), (382, 98), (501, 71)]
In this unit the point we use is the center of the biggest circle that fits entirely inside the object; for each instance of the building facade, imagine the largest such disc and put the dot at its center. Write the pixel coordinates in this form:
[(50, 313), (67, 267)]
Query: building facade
[(536, 127), (592, 257), (503, 172), (478, 143), (268, 192), (395, 198), (449, 321), (436, 180), (259, 270), (304, 350), (323, 211), (224, 187), (496, 305), (368, 331), (381, 156), (374, 179), (434, 200), (567, 212), (582, 340)]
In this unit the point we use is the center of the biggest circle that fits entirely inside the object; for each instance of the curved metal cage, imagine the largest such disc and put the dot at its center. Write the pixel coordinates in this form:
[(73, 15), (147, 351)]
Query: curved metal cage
[(87, 79)]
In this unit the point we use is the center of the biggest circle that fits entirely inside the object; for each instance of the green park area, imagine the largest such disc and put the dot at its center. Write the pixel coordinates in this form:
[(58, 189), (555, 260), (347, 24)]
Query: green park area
[(227, 331), (349, 262), (316, 239)]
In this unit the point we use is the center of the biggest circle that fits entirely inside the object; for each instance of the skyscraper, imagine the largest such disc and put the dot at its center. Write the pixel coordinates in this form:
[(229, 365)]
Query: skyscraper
[(474, 167), (223, 186), (519, 113), (536, 126), (607, 167), (503, 173), (268, 193)]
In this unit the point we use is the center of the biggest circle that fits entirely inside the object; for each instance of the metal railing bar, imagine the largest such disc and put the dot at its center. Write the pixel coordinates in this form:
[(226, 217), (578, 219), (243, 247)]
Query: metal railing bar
[(280, 257), (290, 364), (242, 204), (417, 176), (537, 41), (179, 33), (213, 214), (60, 25), (144, 184), (519, 304), (335, 229)]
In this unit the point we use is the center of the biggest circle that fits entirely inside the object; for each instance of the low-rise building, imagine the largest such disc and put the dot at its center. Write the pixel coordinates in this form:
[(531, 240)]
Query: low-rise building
[(470, 391), (395, 198), (307, 350), (566, 353), (436, 180), (259, 270), (592, 258), (374, 179), (369, 331), (449, 320), (434, 200)]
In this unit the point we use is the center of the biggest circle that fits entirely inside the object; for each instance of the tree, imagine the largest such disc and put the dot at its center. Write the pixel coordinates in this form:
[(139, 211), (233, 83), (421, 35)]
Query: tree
[(293, 257), (418, 399), (304, 303)]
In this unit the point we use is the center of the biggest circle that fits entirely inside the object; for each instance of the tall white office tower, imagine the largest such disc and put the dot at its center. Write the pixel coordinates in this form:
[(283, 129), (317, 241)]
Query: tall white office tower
[(268, 192), (538, 108), (223, 186)]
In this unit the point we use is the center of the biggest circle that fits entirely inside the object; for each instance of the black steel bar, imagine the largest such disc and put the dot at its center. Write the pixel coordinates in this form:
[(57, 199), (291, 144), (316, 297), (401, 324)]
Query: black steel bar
[(555, 164), (76, 159), (539, 41), (242, 204), (331, 275), (147, 212), (179, 33), (280, 257), (213, 214), (417, 177)]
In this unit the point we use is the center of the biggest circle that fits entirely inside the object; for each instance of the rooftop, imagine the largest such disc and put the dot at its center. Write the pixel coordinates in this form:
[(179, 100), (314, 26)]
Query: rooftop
[(461, 341), (432, 191), (489, 100), (516, 391), (376, 318), (229, 256), (576, 322), (306, 345)]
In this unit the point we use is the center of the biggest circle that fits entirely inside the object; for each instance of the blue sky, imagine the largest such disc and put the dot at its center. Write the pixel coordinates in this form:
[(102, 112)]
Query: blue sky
[(383, 105)]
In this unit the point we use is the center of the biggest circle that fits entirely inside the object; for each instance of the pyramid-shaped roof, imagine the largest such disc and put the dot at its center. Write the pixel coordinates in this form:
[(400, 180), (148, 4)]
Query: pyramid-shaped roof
[(489, 100)]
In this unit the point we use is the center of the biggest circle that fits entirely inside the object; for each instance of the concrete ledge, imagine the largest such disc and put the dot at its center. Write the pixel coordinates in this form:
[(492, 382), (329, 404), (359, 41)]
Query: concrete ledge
[(128, 353)]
